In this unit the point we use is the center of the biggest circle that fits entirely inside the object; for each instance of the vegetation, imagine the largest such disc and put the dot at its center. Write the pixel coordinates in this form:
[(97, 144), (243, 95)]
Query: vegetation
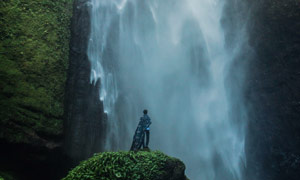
[(34, 42), (127, 165), (6, 176)]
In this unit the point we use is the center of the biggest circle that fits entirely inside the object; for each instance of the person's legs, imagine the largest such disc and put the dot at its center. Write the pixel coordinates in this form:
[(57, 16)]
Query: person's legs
[(147, 137), (143, 142)]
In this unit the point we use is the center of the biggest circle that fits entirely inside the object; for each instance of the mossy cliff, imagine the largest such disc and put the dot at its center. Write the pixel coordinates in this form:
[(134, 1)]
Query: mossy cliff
[(34, 48), (34, 53), (129, 165)]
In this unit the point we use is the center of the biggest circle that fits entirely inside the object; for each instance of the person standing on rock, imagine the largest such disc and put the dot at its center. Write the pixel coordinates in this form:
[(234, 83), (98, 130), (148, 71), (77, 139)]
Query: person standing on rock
[(147, 127), (142, 129)]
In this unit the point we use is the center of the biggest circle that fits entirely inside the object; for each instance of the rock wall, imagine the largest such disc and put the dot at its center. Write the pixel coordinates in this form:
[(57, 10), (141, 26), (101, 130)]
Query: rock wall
[(45, 89), (269, 69), (273, 90), (34, 53), (34, 58), (84, 125)]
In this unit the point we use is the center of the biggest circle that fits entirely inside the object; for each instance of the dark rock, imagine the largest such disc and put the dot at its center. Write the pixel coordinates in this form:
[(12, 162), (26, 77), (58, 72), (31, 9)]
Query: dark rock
[(271, 86), (28, 161), (273, 90), (84, 125)]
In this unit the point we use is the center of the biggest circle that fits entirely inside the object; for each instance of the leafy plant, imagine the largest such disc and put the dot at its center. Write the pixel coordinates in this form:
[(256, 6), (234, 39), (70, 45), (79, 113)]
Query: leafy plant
[(122, 166)]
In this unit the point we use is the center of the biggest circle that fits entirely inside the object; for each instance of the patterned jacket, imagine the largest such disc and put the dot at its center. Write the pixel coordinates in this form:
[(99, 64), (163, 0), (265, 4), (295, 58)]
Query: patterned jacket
[(146, 121)]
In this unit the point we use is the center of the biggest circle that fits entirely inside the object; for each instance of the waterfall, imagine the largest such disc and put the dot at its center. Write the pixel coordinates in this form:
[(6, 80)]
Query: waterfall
[(170, 57)]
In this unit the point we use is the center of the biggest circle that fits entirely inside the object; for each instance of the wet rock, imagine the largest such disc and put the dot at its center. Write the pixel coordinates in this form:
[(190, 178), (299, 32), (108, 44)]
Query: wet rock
[(84, 125), (273, 90)]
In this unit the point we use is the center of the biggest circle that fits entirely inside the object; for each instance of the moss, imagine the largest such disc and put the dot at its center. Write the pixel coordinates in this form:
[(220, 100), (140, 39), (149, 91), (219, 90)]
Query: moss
[(34, 42), (6, 176), (128, 165)]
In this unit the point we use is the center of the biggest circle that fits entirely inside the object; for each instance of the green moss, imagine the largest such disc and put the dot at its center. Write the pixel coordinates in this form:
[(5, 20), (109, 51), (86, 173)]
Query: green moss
[(34, 46), (126, 165), (6, 175)]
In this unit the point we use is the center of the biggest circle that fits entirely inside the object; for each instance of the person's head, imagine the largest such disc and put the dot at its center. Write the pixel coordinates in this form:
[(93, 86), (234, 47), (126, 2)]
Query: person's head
[(145, 111)]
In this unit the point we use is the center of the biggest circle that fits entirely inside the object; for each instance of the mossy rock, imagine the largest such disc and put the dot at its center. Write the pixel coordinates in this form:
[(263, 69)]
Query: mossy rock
[(141, 165), (34, 48)]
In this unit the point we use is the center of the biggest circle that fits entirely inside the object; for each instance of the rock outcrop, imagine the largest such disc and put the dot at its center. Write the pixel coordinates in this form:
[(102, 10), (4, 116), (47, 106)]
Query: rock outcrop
[(129, 165)]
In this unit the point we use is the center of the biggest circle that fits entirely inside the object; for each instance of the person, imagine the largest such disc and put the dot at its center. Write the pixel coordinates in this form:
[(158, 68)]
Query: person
[(139, 135), (147, 127)]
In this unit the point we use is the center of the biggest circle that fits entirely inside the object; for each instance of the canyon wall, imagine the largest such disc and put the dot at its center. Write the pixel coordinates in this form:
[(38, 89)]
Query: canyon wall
[(273, 90)]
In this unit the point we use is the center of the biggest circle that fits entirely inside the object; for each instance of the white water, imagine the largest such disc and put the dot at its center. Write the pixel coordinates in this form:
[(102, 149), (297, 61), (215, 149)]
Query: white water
[(168, 56)]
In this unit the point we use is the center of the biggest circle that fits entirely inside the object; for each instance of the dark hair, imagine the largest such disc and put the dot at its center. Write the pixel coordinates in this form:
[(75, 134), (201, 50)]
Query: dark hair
[(145, 111)]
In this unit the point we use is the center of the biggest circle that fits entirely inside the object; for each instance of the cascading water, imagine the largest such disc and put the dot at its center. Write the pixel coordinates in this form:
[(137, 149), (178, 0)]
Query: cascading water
[(168, 56)]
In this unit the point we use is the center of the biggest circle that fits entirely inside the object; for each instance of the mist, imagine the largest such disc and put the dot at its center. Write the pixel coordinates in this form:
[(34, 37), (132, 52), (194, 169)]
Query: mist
[(170, 57)]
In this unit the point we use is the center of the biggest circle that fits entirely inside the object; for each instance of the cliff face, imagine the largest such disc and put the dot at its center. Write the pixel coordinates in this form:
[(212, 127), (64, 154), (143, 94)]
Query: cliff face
[(34, 48), (35, 103), (34, 58), (40, 105), (270, 62), (84, 125), (273, 90)]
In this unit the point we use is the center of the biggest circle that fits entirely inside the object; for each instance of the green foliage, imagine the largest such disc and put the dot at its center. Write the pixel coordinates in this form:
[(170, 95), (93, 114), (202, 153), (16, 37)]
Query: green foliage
[(6, 176), (122, 165), (34, 46)]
